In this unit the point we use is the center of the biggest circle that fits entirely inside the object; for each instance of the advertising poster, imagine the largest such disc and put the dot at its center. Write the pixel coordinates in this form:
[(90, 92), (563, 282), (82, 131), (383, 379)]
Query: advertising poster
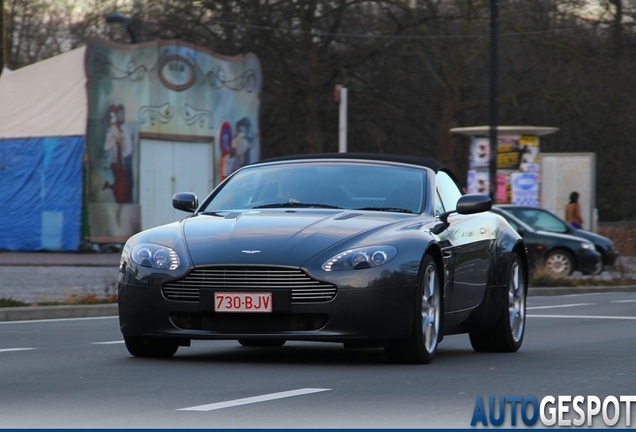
[(478, 182), (525, 189), (480, 153), (515, 154), (503, 188), (529, 154)]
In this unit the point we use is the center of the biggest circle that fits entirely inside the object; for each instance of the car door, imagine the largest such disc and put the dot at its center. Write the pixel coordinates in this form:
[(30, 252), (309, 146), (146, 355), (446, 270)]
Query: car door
[(466, 246)]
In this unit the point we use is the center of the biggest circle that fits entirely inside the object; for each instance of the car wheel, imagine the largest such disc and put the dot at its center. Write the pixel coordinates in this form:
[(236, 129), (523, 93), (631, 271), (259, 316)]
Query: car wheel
[(421, 346), (272, 343), (507, 334), (598, 269), (559, 263), (156, 348)]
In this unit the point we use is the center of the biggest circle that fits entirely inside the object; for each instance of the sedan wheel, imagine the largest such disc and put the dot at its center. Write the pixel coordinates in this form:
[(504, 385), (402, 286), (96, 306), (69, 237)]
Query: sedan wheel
[(559, 263), (598, 269), (421, 346), (507, 334)]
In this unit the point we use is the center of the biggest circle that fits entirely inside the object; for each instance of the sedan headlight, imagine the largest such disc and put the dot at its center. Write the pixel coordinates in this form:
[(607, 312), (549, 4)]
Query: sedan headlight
[(155, 256), (360, 258), (587, 246)]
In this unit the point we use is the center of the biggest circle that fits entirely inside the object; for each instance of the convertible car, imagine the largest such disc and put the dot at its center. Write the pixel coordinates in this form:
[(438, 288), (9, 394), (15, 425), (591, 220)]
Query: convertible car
[(365, 250)]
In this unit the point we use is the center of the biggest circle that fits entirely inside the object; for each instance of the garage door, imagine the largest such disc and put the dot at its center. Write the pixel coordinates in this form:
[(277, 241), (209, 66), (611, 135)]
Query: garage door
[(168, 167)]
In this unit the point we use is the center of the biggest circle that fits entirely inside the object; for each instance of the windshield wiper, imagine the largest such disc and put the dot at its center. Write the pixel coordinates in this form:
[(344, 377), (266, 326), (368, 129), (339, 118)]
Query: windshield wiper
[(296, 204), (388, 209)]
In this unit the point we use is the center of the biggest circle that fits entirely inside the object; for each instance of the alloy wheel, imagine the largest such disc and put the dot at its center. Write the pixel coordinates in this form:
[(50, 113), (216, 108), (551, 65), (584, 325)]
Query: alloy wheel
[(430, 309), (516, 301)]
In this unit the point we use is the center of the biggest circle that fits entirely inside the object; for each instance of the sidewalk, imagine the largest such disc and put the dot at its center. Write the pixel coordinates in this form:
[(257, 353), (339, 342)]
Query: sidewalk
[(59, 259), (53, 276), (40, 276)]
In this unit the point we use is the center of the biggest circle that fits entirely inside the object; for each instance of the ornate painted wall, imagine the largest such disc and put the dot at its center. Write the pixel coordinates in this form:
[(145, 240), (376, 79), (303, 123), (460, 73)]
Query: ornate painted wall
[(161, 90)]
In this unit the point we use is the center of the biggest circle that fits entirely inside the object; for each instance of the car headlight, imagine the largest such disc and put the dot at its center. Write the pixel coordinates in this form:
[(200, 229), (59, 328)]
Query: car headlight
[(587, 246), (360, 258), (155, 256)]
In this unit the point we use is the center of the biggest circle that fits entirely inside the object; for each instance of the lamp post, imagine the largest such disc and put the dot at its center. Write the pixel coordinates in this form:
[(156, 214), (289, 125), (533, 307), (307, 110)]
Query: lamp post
[(340, 96), (494, 96)]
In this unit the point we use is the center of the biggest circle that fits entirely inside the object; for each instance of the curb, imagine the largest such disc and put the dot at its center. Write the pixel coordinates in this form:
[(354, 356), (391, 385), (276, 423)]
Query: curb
[(57, 312), (555, 291), (106, 310)]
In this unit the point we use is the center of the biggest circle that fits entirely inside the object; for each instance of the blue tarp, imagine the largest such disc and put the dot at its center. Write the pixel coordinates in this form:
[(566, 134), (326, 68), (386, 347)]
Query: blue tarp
[(41, 193)]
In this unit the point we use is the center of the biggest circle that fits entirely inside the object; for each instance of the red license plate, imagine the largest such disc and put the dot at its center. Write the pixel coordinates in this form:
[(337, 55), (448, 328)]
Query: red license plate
[(242, 302)]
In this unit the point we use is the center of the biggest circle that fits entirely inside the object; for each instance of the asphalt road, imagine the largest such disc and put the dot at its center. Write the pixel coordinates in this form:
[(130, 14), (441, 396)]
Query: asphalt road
[(77, 373)]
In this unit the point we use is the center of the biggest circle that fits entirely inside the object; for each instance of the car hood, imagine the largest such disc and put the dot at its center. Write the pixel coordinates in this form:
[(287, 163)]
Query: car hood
[(273, 236), (559, 236), (594, 238)]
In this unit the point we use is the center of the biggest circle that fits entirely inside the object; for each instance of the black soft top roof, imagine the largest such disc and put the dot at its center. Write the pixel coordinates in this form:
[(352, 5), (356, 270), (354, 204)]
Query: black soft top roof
[(413, 160)]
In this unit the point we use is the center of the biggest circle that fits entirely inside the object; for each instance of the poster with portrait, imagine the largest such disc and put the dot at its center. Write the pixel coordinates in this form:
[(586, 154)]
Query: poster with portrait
[(515, 154)]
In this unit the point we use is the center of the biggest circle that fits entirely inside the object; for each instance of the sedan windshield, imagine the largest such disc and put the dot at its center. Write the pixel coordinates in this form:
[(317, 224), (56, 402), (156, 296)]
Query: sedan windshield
[(539, 219), (339, 185)]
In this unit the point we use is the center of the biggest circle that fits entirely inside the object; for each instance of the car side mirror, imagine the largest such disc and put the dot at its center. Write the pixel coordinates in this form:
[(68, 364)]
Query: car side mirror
[(186, 201), (473, 203), (466, 204)]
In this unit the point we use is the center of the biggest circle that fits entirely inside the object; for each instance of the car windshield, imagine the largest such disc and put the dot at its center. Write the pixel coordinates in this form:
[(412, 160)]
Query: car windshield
[(342, 185), (539, 219)]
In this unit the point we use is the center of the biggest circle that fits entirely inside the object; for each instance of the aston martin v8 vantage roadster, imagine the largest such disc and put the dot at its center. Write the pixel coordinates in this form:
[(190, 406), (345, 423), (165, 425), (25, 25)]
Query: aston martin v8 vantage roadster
[(366, 250)]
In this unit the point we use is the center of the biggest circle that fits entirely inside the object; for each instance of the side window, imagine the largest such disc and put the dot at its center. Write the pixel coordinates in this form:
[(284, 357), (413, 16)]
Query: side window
[(447, 191)]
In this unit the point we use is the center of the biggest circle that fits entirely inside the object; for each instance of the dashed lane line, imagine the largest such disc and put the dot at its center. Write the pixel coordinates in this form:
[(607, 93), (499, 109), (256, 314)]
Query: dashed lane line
[(254, 399), (560, 306), (15, 349), (584, 317)]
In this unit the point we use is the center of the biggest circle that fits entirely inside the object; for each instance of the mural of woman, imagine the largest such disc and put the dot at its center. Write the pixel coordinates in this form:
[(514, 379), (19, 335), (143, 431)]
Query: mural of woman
[(243, 141), (113, 147)]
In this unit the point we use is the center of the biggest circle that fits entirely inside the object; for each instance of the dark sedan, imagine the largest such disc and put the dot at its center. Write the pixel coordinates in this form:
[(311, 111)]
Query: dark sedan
[(561, 254), (545, 220), (366, 250)]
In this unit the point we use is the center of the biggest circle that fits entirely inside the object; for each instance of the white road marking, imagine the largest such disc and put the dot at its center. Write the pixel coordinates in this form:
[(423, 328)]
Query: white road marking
[(108, 343), (16, 349), (254, 399), (57, 319), (623, 301), (560, 306), (584, 317)]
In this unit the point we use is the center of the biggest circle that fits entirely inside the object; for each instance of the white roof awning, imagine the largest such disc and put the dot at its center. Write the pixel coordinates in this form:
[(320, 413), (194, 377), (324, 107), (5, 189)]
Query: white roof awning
[(47, 98)]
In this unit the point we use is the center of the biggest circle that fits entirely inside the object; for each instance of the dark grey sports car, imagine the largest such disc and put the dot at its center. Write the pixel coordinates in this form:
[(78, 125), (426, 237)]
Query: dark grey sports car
[(367, 250)]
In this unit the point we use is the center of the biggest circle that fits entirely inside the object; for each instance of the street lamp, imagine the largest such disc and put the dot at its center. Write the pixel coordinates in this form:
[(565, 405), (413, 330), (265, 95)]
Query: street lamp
[(119, 18), (494, 96)]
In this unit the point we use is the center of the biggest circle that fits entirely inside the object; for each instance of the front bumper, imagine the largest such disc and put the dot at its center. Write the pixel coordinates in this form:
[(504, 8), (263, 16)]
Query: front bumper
[(369, 313), (588, 261), (610, 256)]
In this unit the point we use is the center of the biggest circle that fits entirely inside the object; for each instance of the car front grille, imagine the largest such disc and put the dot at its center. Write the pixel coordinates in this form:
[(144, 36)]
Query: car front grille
[(303, 288)]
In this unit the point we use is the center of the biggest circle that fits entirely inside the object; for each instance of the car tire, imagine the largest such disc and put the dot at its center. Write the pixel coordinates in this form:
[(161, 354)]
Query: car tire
[(269, 343), (600, 266), (421, 346), (507, 334), (156, 348), (559, 262)]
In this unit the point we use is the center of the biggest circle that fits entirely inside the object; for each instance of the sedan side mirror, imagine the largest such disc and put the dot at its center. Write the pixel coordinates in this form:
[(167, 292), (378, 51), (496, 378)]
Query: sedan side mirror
[(186, 201)]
